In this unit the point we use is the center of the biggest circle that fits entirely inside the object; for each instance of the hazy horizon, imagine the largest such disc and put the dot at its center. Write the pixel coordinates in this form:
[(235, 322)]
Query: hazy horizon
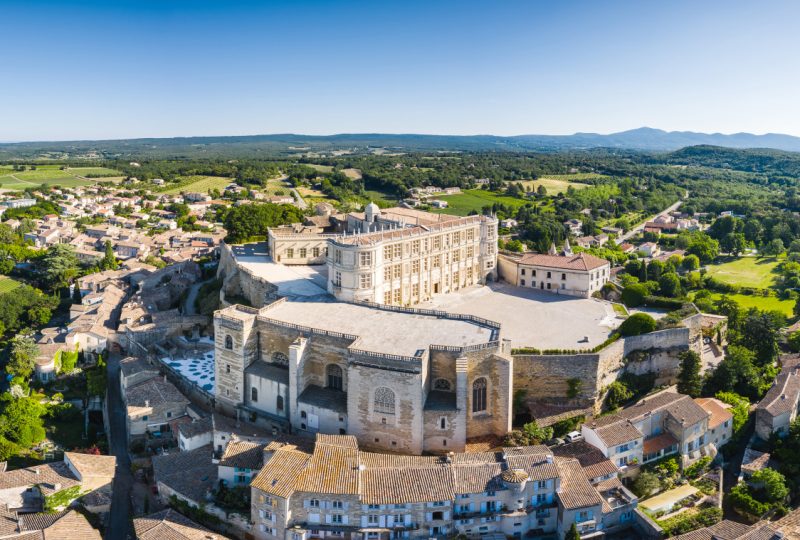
[(93, 70)]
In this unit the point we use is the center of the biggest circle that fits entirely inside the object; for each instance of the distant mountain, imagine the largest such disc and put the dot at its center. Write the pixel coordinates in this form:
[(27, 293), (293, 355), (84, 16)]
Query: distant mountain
[(641, 139)]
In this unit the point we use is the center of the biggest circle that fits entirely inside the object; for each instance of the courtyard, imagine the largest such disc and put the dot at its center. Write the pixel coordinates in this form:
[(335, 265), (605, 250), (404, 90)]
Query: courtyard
[(195, 365)]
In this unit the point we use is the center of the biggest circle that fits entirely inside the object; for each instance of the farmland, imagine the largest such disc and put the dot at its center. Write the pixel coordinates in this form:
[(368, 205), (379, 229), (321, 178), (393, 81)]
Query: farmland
[(473, 200), (196, 184), (52, 175), (754, 272), (559, 183)]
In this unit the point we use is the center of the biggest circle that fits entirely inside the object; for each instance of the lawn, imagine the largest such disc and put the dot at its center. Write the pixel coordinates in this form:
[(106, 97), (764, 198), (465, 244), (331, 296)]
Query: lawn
[(554, 186), (474, 200), (196, 184), (96, 171), (758, 272), (7, 284), (320, 168), (768, 303)]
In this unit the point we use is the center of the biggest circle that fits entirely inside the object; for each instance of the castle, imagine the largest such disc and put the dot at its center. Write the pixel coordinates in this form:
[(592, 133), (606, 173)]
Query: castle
[(398, 379), (396, 256)]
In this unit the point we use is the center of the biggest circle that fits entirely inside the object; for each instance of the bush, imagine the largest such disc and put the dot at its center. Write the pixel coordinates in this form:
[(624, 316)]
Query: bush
[(617, 395), (633, 295), (646, 484), (663, 302), (563, 427), (636, 324), (698, 468)]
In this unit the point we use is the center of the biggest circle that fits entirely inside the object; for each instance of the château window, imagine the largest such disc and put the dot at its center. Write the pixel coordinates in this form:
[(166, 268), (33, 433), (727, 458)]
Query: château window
[(279, 404), (228, 342), (303, 253), (335, 377), (384, 401), (280, 358), (253, 394), (290, 253), (441, 384), (479, 395)]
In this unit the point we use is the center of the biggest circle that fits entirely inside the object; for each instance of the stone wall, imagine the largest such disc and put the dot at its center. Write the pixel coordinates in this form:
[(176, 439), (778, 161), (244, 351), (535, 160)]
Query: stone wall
[(547, 377), (241, 282)]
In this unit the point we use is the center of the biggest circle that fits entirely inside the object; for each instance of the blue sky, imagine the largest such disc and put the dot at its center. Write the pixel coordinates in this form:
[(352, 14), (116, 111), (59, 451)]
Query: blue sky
[(117, 69)]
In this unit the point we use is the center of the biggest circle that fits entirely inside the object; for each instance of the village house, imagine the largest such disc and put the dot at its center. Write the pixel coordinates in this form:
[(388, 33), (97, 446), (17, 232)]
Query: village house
[(514, 493), (152, 406), (649, 249), (778, 408), (659, 425), (572, 274)]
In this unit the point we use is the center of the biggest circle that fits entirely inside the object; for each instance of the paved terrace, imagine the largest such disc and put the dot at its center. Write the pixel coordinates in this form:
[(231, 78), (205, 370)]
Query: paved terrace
[(530, 318), (292, 281), (381, 331)]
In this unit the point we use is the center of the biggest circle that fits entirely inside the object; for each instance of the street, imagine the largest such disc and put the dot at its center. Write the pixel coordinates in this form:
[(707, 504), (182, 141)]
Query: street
[(119, 523)]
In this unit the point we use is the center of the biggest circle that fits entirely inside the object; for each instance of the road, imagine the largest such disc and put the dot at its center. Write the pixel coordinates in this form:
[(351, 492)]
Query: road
[(189, 305), (301, 203), (640, 227), (119, 523)]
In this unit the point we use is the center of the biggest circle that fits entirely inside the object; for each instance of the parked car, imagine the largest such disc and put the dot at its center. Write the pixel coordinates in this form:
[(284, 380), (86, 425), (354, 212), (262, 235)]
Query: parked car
[(574, 436)]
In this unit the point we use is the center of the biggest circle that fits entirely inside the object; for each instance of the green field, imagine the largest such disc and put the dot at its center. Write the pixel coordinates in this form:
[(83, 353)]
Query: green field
[(746, 271), (473, 200), (49, 175), (320, 168), (196, 184), (7, 284), (769, 303)]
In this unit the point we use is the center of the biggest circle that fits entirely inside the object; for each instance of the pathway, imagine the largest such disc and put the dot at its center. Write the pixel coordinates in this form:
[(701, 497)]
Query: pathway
[(119, 523), (189, 305), (640, 226)]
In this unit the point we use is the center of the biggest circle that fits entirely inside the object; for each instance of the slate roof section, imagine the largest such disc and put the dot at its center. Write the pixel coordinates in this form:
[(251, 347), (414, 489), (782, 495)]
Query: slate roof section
[(783, 396), (195, 428), (594, 463)]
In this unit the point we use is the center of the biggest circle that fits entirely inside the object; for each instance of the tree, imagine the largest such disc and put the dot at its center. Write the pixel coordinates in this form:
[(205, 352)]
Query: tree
[(759, 332), (23, 354), (252, 220), (736, 373), (669, 285), (58, 267), (794, 339), (572, 533), (633, 295), (772, 485), (690, 263), (636, 324), (689, 380), (733, 243), (773, 248), (645, 484), (617, 395), (702, 245), (96, 378), (21, 420), (109, 261)]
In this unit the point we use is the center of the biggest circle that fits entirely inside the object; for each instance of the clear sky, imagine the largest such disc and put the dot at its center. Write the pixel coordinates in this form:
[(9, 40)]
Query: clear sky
[(140, 68)]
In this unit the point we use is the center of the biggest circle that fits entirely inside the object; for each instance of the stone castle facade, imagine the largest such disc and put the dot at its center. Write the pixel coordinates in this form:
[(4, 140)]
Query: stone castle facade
[(397, 379)]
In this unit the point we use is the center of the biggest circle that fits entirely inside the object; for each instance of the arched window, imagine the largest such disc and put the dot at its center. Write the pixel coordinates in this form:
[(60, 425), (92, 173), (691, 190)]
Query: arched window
[(280, 358), (279, 403), (253, 394), (228, 342), (334, 377), (384, 401), (479, 395), (441, 384)]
